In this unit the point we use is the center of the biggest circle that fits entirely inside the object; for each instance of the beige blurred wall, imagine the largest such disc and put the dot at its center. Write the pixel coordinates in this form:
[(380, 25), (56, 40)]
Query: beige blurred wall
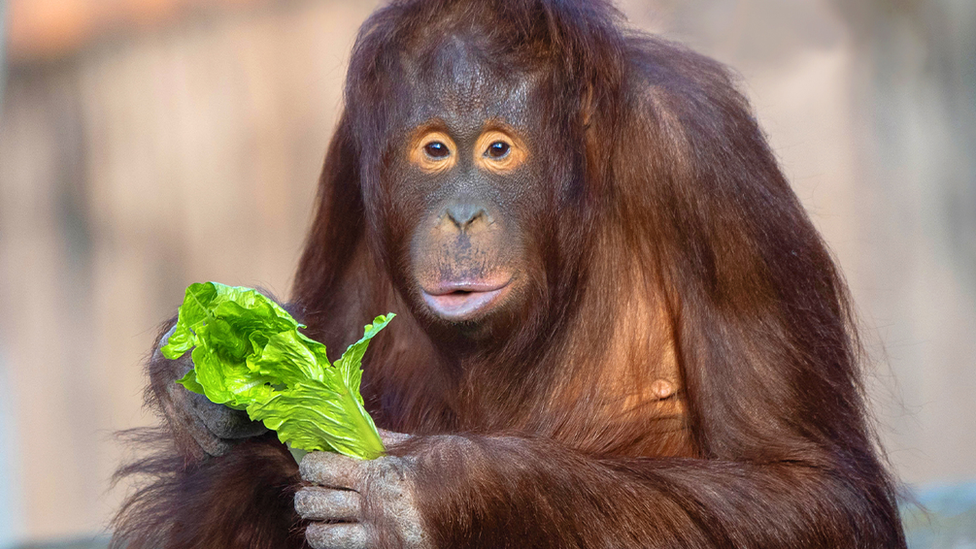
[(152, 156)]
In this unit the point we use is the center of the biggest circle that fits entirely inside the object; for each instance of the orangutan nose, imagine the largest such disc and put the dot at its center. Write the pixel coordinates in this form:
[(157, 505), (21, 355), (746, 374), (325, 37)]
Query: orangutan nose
[(466, 215)]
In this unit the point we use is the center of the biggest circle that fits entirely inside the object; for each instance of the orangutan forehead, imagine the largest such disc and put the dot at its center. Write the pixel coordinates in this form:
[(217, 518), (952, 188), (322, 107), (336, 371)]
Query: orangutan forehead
[(460, 77), (458, 64)]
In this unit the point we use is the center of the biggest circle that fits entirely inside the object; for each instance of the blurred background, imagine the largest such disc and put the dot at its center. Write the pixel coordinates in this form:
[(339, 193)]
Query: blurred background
[(148, 144)]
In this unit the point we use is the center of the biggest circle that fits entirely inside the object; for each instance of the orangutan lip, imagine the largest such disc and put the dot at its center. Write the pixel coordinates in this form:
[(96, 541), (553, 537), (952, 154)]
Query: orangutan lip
[(463, 300)]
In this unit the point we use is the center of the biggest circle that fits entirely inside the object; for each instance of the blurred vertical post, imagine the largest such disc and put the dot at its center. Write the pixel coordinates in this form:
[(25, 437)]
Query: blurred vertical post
[(10, 498), (9, 472)]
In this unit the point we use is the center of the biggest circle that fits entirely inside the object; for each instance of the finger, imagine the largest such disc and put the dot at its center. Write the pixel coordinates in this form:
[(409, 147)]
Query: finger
[(222, 421), (317, 503), (321, 535), (332, 470), (391, 438)]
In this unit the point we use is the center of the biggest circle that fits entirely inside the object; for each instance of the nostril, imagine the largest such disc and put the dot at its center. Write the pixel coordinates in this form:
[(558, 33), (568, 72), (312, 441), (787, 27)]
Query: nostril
[(464, 214)]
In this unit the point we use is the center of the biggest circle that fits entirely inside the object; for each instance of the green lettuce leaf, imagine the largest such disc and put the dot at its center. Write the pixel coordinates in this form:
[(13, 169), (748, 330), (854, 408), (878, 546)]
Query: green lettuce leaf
[(248, 354)]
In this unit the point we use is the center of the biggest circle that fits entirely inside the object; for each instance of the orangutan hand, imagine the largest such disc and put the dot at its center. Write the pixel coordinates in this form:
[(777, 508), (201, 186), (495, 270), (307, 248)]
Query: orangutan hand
[(214, 427), (357, 504)]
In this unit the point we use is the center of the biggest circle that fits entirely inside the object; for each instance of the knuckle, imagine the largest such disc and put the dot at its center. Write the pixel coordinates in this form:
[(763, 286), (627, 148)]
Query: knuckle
[(331, 469), (388, 470), (311, 466), (304, 502)]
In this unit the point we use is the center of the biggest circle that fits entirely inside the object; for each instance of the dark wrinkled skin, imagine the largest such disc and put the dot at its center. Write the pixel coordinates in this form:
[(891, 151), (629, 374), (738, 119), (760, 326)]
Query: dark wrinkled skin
[(454, 92)]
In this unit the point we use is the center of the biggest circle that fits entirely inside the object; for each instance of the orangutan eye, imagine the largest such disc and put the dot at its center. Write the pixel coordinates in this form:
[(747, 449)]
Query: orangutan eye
[(436, 149), (498, 149)]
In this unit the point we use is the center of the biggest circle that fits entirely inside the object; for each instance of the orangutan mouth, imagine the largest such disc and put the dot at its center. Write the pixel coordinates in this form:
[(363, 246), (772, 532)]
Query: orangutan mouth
[(460, 301)]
